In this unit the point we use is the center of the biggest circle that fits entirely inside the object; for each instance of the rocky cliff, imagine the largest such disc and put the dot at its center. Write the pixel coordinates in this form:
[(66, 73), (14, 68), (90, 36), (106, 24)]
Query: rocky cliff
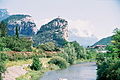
[(3, 14), (55, 31), (25, 24)]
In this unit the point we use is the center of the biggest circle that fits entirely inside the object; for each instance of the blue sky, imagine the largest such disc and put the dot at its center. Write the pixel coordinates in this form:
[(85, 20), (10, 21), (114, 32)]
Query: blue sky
[(86, 17)]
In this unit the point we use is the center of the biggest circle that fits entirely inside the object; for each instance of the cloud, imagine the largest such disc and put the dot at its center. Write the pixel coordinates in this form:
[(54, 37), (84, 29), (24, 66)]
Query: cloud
[(81, 28), (41, 22)]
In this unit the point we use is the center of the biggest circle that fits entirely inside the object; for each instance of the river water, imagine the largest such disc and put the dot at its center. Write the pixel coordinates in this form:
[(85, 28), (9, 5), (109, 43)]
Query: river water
[(82, 71)]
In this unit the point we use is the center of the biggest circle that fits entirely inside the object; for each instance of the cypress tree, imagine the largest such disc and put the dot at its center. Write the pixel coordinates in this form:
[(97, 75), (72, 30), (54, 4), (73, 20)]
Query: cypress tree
[(17, 33)]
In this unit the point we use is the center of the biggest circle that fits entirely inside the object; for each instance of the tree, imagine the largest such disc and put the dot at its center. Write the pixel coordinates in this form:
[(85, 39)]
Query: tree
[(17, 33), (48, 46), (79, 50), (70, 54), (116, 42), (36, 65), (3, 29), (109, 63)]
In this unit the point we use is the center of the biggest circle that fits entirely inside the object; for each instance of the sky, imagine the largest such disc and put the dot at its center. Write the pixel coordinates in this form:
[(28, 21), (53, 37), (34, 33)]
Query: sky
[(85, 17)]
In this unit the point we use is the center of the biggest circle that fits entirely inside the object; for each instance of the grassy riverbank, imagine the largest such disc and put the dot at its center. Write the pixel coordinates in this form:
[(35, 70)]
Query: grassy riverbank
[(50, 57), (32, 74), (35, 75)]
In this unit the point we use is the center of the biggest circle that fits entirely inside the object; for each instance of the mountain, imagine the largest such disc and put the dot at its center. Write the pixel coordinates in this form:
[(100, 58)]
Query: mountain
[(104, 41), (55, 31), (25, 24), (83, 41), (3, 14)]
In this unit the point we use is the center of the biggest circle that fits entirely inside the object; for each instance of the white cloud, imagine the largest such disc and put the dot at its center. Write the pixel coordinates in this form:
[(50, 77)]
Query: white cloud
[(81, 28)]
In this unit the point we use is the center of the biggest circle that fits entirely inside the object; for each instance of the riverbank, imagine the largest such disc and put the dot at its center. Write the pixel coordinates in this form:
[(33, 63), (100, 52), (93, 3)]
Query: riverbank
[(36, 75), (20, 70)]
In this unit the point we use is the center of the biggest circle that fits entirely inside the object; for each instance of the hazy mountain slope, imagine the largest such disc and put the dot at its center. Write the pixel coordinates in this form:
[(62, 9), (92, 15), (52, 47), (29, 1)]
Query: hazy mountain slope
[(104, 41)]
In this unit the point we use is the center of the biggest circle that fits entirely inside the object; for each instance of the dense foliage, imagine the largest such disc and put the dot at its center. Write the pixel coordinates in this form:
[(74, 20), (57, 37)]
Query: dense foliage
[(70, 54), (3, 29), (36, 65), (109, 63), (2, 69), (3, 58), (48, 46), (59, 61), (15, 44)]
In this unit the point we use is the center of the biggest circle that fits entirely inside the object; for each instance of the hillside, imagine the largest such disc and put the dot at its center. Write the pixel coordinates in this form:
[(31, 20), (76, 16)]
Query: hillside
[(104, 41), (25, 24), (3, 14), (54, 31)]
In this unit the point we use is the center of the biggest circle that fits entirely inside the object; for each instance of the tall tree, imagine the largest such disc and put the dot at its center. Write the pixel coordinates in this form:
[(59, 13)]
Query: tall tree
[(116, 42), (17, 33)]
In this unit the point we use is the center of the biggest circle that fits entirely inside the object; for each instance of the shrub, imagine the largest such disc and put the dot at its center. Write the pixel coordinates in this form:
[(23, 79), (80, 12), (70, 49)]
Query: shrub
[(3, 56), (2, 69), (109, 70), (15, 44), (36, 65), (48, 46), (59, 61)]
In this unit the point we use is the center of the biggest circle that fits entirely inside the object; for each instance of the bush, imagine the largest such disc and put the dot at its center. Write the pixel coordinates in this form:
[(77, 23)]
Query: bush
[(2, 69), (48, 46), (109, 70), (59, 61), (3, 56), (36, 65), (15, 44)]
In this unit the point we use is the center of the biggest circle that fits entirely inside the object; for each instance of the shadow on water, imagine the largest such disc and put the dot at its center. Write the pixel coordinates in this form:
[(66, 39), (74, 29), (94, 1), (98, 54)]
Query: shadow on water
[(82, 71)]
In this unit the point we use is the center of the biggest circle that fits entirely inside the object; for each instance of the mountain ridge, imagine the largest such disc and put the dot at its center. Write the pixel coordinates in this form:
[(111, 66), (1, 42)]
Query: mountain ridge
[(104, 41)]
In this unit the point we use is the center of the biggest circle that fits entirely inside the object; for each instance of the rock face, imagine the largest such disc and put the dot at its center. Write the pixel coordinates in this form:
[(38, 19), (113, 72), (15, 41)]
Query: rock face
[(24, 24), (3, 14), (55, 31)]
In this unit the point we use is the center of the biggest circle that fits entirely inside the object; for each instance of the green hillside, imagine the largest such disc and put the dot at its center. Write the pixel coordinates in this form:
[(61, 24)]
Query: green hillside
[(104, 41)]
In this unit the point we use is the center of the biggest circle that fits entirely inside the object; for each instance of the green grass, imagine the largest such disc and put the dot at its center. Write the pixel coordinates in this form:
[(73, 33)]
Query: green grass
[(35, 75), (18, 63), (84, 60), (32, 75)]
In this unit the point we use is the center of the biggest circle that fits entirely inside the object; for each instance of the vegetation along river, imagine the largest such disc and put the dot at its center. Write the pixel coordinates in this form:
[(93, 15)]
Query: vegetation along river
[(82, 71)]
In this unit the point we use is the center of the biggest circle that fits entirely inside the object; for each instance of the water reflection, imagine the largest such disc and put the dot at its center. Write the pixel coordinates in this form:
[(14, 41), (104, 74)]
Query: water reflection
[(84, 71)]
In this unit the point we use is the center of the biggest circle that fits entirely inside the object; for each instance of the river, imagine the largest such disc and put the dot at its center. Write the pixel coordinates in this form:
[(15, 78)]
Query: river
[(82, 71)]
